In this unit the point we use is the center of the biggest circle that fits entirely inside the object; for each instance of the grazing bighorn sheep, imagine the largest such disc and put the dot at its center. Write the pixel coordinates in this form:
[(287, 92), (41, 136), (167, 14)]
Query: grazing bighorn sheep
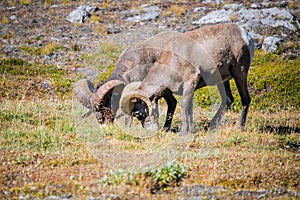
[(210, 55), (133, 65)]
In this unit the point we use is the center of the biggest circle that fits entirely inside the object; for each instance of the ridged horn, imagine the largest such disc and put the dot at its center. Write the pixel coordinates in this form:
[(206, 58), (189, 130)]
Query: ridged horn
[(105, 88), (84, 90), (129, 94)]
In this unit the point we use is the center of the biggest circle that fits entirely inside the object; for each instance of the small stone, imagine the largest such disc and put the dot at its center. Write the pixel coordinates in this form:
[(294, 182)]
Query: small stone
[(218, 2), (81, 13), (113, 30), (147, 8), (270, 43), (233, 6), (13, 17), (46, 84), (144, 17)]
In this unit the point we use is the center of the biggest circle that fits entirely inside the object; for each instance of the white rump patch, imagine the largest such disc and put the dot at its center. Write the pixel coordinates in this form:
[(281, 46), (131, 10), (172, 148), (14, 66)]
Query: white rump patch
[(249, 41)]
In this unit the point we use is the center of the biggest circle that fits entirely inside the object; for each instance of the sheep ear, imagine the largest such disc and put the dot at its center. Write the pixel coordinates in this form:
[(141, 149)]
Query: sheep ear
[(84, 90)]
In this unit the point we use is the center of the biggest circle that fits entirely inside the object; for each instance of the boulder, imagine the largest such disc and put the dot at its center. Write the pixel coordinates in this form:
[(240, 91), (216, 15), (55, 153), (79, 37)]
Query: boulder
[(81, 13), (148, 13)]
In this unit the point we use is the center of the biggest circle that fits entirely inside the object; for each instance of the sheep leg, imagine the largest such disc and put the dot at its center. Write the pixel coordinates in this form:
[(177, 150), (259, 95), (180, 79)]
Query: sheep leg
[(155, 113), (240, 78), (227, 100), (187, 109), (151, 122), (172, 102)]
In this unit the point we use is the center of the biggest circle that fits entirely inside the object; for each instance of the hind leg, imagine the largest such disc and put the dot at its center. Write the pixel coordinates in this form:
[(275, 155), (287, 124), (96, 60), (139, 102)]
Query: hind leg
[(227, 100), (239, 75)]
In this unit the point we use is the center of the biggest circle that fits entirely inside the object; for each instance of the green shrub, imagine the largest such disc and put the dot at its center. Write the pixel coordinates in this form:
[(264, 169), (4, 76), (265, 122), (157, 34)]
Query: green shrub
[(274, 82), (161, 178)]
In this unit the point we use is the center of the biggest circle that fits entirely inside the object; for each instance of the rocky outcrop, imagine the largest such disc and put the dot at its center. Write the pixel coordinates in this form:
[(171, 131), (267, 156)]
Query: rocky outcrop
[(263, 23)]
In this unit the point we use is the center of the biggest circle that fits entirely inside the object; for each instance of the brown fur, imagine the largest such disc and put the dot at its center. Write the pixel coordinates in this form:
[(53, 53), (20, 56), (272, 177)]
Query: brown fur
[(207, 56)]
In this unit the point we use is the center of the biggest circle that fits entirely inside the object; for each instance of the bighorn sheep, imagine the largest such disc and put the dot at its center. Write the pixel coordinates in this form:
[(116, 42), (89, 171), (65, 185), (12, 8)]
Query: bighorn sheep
[(210, 55), (133, 65)]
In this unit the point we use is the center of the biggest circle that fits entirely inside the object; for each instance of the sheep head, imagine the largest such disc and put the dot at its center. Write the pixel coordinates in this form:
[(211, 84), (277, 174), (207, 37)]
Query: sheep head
[(98, 101), (136, 104)]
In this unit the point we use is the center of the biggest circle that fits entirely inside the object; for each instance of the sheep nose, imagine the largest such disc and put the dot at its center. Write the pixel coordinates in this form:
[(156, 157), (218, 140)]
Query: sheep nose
[(137, 114)]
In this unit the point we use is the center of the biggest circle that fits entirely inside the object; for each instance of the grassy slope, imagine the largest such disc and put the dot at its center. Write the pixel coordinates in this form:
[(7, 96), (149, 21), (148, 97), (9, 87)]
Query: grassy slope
[(42, 154)]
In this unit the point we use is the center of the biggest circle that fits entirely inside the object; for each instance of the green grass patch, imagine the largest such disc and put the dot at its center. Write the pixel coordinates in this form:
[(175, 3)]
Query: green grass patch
[(37, 126), (275, 82), (48, 49), (104, 59), (168, 175), (21, 79)]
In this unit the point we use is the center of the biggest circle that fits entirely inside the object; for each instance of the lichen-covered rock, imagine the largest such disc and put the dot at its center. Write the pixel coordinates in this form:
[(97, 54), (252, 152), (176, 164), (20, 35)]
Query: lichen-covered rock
[(148, 13), (270, 43), (81, 13), (258, 22), (270, 16), (144, 17), (233, 6)]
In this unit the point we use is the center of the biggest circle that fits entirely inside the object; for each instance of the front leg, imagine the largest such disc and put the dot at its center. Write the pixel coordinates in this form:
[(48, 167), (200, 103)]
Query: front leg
[(171, 102), (155, 114), (187, 109), (151, 122)]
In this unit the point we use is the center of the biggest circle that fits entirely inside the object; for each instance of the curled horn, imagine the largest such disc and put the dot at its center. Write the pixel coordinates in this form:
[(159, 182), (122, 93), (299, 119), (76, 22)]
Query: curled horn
[(104, 89), (130, 94), (84, 90)]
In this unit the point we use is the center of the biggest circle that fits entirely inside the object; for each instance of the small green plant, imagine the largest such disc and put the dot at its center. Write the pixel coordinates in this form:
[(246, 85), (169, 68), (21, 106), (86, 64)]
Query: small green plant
[(168, 175), (25, 2), (161, 178), (236, 140), (4, 20), (233, 17)]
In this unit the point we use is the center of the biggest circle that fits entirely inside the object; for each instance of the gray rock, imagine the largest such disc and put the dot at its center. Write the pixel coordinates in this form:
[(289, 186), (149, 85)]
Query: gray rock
[(271, 16), (81, 13), (202, 9), (113, 30), (11, 8), (144, 17), (147, 13), (233, 6), (46, 85), (270, 43), (212, 1), (147, 8), (214, 17), (13, 17), (258, 22)]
